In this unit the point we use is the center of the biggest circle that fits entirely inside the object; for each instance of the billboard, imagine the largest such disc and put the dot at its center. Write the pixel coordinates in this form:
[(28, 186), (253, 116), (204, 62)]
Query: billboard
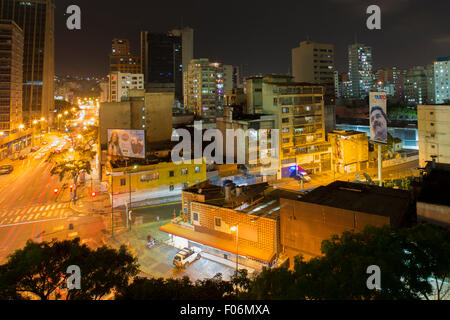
[(378, 117), (126, 143)]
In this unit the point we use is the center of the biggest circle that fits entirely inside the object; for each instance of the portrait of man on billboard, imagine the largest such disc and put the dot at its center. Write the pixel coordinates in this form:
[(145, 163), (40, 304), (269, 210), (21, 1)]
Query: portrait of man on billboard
[(378, 124)]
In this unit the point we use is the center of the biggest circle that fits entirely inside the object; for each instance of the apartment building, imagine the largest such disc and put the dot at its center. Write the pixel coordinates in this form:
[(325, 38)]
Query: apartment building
[(120, 83), (360, 70), (442, 79), (204, 85)]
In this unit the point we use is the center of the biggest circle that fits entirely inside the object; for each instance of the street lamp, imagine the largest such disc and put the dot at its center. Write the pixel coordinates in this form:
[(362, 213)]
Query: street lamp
[(236, 229)]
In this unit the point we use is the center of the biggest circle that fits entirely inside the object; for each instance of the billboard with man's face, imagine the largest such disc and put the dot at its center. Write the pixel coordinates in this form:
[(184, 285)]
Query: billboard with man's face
[(126, 143), (378, 117)]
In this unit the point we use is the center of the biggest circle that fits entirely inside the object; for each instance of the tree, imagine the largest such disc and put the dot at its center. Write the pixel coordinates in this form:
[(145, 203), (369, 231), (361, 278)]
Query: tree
[(176, 289), (38, 271), (71, 169)]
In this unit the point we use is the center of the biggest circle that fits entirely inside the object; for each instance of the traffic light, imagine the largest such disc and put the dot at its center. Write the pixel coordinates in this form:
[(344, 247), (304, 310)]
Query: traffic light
[(55, 190), (93, 194), (71, 187)]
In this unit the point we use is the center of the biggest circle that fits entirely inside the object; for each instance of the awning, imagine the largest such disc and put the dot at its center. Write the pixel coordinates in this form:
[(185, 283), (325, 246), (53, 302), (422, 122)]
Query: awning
[(218, 243)]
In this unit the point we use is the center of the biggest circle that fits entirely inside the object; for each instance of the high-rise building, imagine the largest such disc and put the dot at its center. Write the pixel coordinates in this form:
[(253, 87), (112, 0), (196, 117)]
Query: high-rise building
[(389, 80), (164, 57), (121, 59), (434, 129), (360, 70), (204, 88), (121, 47), (442, 79), (300, 117), (419, 85), (11, 74), (313, 62), (36, 19), (121, 83)]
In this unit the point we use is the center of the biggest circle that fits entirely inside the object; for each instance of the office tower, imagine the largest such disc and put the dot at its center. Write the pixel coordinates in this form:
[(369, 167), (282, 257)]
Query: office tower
[(313, 62), (204, 88), (419, 85), (299, 115), (121, 59), (164, 57), (11, 74), (434, 129), (389, 80), (442, 79), (36, 19), (121, 83), (121, 47), (360, 70)]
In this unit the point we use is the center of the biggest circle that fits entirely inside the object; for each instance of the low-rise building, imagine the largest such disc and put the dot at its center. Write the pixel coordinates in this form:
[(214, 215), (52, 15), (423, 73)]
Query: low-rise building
[(157, 179), (433, 202), (434, 132), (231, 221), (350, 150), (338, 207)]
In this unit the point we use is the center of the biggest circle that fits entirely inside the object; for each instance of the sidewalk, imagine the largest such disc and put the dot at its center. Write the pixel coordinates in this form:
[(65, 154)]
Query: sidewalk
[(86, 204)]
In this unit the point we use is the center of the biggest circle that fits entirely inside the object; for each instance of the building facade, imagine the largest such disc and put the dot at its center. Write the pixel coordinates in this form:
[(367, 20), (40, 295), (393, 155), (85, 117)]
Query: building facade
[(441, 80), (11, 75), (350, 151), (313, 62), (204, 84), (360, 70), (419, 85), (164, 57), (434, 130), (300, 117), (120, 84), (152, 181), (36, 19)]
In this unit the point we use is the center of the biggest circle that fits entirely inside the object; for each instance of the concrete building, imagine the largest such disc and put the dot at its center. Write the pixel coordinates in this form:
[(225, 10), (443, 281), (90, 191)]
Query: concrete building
[(360, 70), (350, 150), (341, 206), (434, 131), (157, 179), (120, 47), (389, 80), (442, 80), (36, 19), (433, 202), (313, 62), (11, 75), (164, 58), (231, 221), (204, 84), (104, 91), (236, 97), (151, 112), (258, 122), (300, 117), (419, 85), (120, 84)]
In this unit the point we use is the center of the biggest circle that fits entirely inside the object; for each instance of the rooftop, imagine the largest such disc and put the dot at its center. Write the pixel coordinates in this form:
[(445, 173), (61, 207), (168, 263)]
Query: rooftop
[(436, 185), (388, 202)]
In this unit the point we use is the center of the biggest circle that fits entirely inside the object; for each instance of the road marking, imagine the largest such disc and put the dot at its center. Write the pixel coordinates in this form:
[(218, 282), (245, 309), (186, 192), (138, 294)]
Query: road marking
[(59, 205), (29, 210), (29, 222), (53, 207), (47, 208), (58, 228), (73, 234), (42, 208), (17, 219)]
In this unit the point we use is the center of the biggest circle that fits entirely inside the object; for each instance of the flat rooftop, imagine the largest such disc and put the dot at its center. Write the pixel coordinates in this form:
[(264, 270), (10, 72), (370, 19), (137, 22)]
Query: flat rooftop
[(388, 202), (259, 200), (436, 186)]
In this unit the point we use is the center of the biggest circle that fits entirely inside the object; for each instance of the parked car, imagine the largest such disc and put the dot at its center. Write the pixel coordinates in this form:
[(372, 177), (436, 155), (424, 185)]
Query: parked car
[(6, 169), (185, 257)]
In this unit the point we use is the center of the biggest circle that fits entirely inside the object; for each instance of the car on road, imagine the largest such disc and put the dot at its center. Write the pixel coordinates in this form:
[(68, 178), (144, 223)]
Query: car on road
[(185, 257), (6, 169)]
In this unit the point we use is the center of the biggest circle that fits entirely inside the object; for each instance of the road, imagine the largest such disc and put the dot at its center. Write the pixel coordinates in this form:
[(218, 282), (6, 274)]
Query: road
[(29, 208), (317, 180)]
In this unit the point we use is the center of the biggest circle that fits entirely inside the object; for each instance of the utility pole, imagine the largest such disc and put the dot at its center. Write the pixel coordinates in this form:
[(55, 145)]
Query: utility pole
[(237, 247), (380, 178)]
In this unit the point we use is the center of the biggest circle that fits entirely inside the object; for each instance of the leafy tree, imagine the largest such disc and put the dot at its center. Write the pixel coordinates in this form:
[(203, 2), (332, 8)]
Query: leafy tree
[(38, 271), (71, 169), (176, 289)]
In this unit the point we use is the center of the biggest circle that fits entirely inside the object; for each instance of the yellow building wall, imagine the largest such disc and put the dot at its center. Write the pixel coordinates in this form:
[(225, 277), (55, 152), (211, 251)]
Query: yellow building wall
[(139, 177)]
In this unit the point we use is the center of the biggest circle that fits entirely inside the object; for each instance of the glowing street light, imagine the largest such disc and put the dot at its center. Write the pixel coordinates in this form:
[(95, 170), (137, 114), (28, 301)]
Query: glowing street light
[(21, 126), (236, 229)]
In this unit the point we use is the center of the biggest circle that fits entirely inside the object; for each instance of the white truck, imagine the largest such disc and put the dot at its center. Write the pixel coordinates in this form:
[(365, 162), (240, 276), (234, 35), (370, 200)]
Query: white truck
[(185, 257)]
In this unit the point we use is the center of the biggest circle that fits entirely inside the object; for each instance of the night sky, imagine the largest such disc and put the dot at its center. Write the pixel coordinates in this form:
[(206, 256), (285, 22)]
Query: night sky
[(256, 34)]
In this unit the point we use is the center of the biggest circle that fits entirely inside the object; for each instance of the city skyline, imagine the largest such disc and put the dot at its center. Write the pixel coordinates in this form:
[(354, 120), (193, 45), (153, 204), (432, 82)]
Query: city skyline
[(260, 46)]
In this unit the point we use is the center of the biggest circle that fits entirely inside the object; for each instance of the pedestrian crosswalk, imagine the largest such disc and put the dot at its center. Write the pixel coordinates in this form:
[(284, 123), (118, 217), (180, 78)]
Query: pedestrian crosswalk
[(34, 213)]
